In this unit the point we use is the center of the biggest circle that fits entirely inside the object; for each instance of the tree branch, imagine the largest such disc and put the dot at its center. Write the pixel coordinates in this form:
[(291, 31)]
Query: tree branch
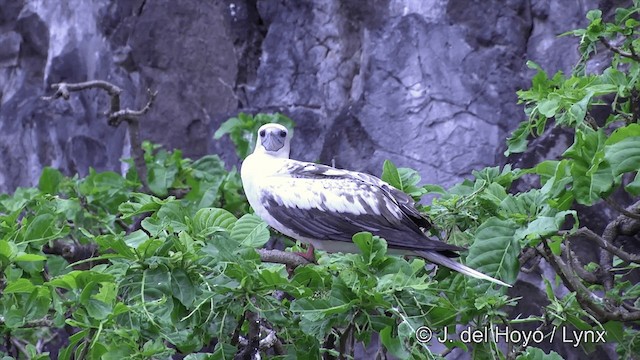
[(618, 51), (622, 210), (583, 295), (282, 257), (115, 116)]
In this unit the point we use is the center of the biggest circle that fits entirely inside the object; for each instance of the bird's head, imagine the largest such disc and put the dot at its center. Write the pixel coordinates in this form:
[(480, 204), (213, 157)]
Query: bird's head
[(273, 139)]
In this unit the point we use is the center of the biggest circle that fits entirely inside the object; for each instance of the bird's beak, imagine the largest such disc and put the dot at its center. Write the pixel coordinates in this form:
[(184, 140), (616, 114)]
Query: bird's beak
[(272, 142)]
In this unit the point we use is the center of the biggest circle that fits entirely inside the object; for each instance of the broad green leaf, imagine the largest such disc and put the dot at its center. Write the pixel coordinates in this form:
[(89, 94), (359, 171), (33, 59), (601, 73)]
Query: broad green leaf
[(140, 203), (517, 142), (590, 169), (97, 309), (543, 226), (8, 249), (390, 174), (50, 180), (250, 231), (116, 243), (161, 178), (174, 214), (42, 229), (318, 309), (182, 287), (615, 332), (209, 220), (30, 257), (624, 155), (393, 344), (19, 286), (226, 127), (136, 238), (495, 250), (548, 107)]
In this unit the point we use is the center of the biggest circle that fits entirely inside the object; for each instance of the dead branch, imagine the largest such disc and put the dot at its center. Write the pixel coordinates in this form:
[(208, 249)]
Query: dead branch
[(115, 116), (583, 295)]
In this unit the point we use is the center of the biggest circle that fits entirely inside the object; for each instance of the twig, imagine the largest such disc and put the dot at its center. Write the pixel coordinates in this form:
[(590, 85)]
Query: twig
[(600, 241), (579, 269), (618, 51), (20, 346), (63, 89), (529, 254), (583, 295), (282, 257), (621, 210), (115, 116)]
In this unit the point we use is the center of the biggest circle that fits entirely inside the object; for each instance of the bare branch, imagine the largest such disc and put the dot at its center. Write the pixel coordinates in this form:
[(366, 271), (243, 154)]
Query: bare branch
[(618, 51), (115, 116), (600, 241), (63, 90), (583, 295), (622, 210), (579, 269), (282, 257)]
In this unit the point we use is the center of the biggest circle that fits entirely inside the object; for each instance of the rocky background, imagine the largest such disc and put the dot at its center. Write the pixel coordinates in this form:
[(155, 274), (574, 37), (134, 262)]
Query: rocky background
[(427, 84)]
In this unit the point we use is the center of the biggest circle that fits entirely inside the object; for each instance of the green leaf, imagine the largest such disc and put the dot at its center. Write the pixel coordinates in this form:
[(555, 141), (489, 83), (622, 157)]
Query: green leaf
[(50, 180), (42, 229), (136, 238), (250, 231), (623, 155), (590, 169), (517, 142), (182, 287), (615, 332), (173, 214), (372, 247), (226, 127), (30, 257), (19, 286), (391, 175), (97, 309), (393, 344), (140, 203), (548, 107), (209, 220), (633, 187), (495, 250)]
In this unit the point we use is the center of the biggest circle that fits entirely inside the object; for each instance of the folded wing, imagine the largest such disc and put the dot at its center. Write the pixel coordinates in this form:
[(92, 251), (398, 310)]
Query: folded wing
[(323, 203)]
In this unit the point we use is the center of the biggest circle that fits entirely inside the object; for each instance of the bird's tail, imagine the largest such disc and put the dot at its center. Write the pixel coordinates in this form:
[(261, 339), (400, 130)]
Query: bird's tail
[(440, 259)]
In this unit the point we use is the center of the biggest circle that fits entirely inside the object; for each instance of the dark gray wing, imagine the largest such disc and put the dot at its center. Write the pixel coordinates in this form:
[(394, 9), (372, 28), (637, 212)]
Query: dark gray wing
[(323, 203)]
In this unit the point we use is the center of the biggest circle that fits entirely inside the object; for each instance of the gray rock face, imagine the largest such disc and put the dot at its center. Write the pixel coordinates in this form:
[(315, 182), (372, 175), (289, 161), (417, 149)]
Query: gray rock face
[(430, 85)]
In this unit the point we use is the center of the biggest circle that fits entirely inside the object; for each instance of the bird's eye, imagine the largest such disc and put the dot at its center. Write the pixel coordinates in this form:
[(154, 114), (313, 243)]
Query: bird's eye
[(283, 133), (262, 133)]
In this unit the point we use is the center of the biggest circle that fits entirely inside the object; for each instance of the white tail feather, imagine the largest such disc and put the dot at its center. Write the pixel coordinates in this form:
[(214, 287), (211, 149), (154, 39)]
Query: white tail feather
[(454, 265)]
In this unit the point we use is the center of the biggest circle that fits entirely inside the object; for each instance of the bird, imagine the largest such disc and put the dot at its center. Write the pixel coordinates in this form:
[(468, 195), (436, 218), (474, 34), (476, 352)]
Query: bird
[(324, 207)]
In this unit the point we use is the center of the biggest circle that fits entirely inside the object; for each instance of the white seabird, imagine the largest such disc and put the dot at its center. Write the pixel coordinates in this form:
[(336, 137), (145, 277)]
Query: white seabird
[(324, 207)]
